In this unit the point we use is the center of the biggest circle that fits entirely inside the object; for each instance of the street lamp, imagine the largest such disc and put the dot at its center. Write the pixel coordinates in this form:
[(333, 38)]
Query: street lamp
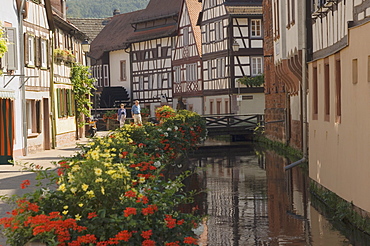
[(235, 48), (85, 46)]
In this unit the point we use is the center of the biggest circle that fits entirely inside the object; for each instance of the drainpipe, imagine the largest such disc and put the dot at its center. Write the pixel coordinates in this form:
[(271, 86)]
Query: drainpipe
[(52, 98), (304, 83), (23, 87)]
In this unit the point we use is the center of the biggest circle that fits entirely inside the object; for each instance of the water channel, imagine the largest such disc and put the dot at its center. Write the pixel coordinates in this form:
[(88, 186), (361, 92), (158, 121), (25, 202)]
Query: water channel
[(252, 200)]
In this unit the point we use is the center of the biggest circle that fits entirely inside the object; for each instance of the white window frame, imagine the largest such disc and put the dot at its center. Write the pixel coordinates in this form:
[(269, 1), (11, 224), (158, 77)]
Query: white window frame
[(191, 72), (256, 65), (123, 74), (209, 68), (106, 75), (150, 81), (207, 39), (256, 28), (218, 31)]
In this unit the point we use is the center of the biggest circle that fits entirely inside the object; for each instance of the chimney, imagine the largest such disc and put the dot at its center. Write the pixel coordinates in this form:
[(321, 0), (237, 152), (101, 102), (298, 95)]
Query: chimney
[(116, 12)]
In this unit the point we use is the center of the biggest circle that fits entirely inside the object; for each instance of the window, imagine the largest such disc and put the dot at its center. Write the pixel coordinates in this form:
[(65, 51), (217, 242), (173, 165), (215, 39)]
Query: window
[(207, 39), (44, 53), (218, 31), (66, 102), (106, 75), (220, 68), (33, 113), (150, 81), (276, 19), (123, 70), (209, 68), (141, 83), (257, 66), (338, 91), (186, 36), (191, 72), (327, 91), (354, 71), (256, 28), (159, 81), (177, 77), (315, 106), (30, 50)]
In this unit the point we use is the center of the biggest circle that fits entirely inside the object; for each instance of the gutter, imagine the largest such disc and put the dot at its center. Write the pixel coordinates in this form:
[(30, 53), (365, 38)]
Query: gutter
[(21, 79)]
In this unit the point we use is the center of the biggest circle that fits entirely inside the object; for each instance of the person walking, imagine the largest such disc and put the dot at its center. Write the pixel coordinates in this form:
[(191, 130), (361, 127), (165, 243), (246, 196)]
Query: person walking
[(121, 115), (136, 113)]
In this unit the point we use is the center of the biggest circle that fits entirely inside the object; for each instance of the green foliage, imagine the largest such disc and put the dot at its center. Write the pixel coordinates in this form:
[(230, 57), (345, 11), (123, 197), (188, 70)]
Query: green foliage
[(255, 81), (102, 8), (82, 86), (3, 42), (114, 192), (339, 209)]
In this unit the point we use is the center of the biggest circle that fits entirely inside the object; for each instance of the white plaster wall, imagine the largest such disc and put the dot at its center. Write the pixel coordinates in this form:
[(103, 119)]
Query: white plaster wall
[(339, 152), (115, 58), (252, 106), (9, 15)]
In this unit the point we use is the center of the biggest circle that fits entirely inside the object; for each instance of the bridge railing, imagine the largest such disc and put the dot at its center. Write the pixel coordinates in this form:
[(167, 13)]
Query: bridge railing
[(234, 120)]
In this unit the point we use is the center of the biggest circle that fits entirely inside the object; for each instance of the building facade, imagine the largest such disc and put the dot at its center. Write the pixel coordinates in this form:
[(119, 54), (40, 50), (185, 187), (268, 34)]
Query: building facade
[(225, 24), (339, 88)]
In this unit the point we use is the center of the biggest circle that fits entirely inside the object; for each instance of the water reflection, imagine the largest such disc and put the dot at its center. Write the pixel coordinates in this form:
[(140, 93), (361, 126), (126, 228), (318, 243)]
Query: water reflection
[(251, 200)]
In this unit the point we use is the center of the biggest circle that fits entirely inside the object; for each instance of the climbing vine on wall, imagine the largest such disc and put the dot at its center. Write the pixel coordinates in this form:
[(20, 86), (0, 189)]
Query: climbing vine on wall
[(3, 42), (82, 85)]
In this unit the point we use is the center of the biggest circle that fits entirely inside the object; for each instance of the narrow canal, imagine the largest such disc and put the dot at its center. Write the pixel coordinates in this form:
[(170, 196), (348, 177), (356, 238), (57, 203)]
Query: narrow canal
[(252, 200)]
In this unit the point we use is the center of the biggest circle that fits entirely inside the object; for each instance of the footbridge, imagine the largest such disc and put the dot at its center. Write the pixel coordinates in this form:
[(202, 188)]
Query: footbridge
[(233, 124)]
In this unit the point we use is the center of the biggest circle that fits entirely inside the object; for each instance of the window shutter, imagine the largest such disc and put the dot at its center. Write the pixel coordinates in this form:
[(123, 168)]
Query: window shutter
[(58, 103), (38, 52), (26, 51), (11, 55)]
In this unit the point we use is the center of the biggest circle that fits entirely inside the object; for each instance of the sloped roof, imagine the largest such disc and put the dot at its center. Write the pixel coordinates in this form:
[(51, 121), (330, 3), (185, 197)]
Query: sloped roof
[(114, 35), (90, 26), (157, 9), (194, 8)]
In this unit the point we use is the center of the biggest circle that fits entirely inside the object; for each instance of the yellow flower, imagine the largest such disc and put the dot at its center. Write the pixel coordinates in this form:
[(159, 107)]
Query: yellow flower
[(75, 168), (110, 140), (102, 190), (113, 150), (77, 217), (98, 171), (73, 190), (84, 187), (65, 207), (141, 179), (81, 205), (111, 172), (90, 193), (94, 155), (62, 188), (117, 176), (65, 212), (98, 180)]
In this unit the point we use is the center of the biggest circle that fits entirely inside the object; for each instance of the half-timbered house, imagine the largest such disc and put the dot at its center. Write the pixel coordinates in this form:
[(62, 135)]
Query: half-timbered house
[(35, 84), (152, 47), (187, 64), (339, 76), (110, 60), (226, 24), (67, 51)]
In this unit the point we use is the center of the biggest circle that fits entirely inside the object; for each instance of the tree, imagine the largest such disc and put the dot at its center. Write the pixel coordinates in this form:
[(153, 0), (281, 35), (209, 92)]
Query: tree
[(82, 86)]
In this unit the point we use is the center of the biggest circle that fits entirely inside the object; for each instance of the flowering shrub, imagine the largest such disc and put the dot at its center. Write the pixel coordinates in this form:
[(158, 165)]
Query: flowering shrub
[(111, 115), (164, 112), (145, 112), (115, 191)]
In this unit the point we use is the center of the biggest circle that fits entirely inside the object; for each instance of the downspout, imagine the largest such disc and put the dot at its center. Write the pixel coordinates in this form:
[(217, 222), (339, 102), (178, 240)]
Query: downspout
[(21, 79), (52, 98)]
